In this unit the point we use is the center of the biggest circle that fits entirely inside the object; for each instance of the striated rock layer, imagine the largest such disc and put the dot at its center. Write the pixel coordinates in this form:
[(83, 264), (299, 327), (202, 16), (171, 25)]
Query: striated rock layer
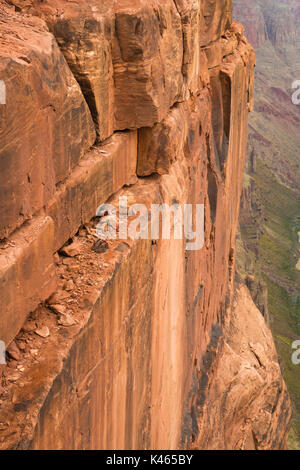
[(144, 344)]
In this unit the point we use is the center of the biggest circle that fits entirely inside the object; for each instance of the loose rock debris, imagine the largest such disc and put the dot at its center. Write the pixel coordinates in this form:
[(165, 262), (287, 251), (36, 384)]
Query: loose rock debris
[(79, 279), (43, 332), (100, 246)]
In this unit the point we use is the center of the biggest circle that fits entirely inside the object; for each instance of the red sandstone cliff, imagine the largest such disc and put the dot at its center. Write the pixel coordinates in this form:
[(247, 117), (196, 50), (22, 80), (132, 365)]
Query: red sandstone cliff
[(146, 345)]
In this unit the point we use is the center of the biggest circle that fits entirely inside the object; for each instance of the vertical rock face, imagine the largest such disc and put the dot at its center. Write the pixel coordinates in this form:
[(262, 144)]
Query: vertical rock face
[(45, 126), (127, 57), (145, 343)]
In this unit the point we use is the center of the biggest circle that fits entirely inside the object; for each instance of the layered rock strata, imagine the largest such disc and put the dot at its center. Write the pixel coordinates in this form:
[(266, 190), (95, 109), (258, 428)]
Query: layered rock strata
[(144, 345)]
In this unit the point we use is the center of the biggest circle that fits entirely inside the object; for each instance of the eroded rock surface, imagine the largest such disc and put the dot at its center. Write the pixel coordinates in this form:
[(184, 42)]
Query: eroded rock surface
[(241, 365), (45, 125)]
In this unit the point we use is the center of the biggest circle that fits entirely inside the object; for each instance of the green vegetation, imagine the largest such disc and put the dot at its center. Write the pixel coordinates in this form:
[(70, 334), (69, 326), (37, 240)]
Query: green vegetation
[(278, 247)]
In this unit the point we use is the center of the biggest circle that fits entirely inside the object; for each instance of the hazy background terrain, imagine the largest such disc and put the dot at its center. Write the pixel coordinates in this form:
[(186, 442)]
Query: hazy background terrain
[(268, 246)]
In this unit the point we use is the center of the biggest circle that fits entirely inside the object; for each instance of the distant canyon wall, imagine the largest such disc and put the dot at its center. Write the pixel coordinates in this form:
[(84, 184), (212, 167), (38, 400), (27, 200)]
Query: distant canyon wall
[(269, 20)]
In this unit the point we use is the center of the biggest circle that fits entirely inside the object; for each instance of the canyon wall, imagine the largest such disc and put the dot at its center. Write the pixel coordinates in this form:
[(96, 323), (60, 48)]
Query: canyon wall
[(136, 343), (270, 207)]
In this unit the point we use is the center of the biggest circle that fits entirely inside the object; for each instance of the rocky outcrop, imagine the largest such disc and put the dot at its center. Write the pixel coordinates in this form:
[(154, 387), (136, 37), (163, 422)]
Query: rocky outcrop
[(241, 366), (113, 350), (46, 127), (128, 56)]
